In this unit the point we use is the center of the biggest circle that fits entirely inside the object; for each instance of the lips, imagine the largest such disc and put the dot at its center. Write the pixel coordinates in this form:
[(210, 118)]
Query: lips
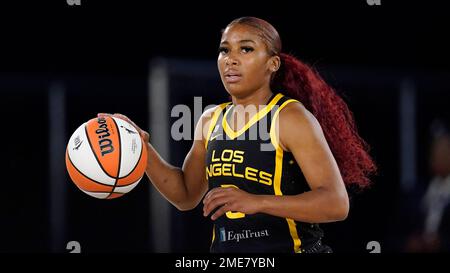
[(232, 76)]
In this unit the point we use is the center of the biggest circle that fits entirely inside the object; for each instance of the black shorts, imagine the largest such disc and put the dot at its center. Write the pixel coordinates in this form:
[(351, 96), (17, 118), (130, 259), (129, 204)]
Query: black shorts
[(318, 247)]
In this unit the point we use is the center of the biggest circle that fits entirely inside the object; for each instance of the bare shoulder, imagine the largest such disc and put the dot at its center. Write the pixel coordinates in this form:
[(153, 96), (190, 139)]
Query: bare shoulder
[(295, 123), (207, 115), (204, 122), (296, 113)]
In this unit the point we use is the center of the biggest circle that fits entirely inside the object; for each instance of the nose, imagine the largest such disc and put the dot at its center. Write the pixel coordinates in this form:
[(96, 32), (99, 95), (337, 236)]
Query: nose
[(231, 60)]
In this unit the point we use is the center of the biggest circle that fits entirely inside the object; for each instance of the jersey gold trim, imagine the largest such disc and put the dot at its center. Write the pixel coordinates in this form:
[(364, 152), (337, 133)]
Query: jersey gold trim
[(278, 172), (213, 122), (259, 115), (273, 132), (213, 234)]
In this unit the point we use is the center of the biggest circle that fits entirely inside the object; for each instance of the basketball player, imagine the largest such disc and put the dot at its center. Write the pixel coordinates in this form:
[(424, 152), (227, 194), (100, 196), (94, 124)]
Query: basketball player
[(267, 194)]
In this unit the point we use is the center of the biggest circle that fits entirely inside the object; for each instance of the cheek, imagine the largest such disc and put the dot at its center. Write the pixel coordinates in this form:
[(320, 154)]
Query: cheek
[(220, 64), (257, 68)]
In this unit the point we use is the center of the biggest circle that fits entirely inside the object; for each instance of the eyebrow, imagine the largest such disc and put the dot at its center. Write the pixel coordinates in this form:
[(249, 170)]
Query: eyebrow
[(241, 41)]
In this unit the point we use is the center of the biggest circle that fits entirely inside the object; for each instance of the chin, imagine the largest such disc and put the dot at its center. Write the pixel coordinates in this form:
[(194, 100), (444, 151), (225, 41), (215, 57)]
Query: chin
[(236, 90)]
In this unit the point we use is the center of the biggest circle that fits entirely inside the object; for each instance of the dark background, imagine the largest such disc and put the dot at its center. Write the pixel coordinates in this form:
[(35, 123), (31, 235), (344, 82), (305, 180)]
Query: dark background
[(101, 51)]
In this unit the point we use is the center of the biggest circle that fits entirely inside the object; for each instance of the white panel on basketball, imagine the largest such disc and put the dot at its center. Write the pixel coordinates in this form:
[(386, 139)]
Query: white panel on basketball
[(125, 189), (101, 195), (83, 157), (131, 145)]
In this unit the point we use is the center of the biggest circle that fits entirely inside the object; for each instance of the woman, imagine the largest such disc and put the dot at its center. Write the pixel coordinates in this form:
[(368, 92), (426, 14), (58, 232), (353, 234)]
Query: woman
[(262, 199)]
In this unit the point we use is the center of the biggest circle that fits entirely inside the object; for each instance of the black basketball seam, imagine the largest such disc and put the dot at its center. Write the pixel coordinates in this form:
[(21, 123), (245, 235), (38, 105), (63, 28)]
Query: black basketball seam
[(95, 155), (135, 165), (134, 182), (112, 192), (109, 193), (70, 159), (120, 157)]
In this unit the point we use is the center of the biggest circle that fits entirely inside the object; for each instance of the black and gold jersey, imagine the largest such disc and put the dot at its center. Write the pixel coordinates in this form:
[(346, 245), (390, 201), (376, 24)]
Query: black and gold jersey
[(250, 159)]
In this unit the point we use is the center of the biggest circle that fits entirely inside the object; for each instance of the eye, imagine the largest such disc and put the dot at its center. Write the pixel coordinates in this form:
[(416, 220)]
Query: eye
[(247, 49), (223, 50)]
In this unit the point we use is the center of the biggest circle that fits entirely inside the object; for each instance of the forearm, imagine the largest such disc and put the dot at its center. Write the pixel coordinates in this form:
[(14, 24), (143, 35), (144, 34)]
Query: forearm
[(167, 179), (317, 206)]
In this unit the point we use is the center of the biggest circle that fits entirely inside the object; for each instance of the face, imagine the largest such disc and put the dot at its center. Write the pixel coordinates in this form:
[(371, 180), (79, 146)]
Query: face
[(244, 63)]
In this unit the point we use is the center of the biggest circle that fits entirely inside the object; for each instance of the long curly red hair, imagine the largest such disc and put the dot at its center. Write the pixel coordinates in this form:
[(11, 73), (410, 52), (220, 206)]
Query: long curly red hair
[(299, 81)]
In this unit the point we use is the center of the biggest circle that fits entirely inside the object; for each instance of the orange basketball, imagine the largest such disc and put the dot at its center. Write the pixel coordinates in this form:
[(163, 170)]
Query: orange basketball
[(106, 157)]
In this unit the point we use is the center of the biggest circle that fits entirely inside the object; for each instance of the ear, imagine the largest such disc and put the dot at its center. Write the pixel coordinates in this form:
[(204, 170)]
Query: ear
[(274, 63)]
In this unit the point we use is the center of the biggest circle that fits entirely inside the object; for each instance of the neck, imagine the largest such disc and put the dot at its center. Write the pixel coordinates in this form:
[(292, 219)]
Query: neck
[(257, 98)]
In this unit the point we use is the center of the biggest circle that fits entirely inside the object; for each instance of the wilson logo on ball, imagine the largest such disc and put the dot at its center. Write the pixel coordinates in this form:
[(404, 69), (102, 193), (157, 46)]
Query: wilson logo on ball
[(105, 143)]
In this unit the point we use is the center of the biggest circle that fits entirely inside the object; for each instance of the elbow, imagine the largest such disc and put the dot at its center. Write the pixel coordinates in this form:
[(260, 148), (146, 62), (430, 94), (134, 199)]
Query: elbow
[(342, 214), (340, 208), (337, 207)]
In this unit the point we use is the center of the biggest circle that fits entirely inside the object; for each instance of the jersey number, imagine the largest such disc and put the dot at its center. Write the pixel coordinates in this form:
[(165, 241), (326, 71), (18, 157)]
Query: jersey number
[(230, 214)]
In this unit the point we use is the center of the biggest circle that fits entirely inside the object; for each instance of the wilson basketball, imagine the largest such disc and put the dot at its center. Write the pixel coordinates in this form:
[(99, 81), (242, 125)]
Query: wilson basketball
[(106, 157)]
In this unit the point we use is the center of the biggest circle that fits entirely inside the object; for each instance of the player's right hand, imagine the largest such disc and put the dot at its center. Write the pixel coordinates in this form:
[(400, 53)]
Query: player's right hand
[(144, 135)]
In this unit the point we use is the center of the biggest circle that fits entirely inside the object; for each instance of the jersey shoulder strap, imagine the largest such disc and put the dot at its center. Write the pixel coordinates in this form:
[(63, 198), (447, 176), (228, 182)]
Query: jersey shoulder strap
[(273, 130), (215, 116)]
